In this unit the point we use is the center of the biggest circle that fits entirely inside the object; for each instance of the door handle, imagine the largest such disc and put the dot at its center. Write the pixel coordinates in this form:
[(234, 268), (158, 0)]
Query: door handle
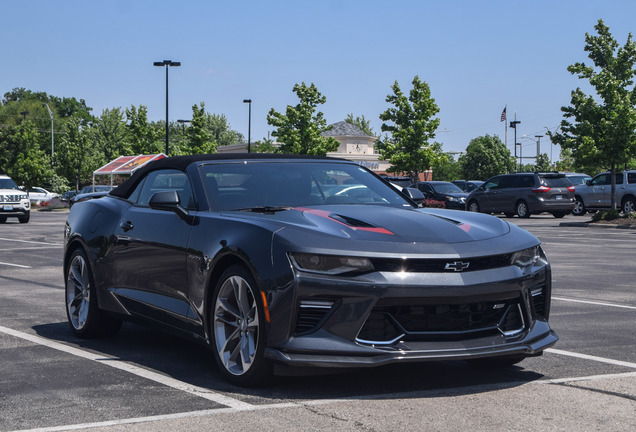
[(127, 226)]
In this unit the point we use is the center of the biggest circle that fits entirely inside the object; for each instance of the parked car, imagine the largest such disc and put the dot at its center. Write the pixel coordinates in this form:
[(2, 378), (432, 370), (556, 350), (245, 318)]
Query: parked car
[(467, 185), (524, 194), (89, 193), (248, 255), (443, 194), (38, 195), (596, 194), (14, 202), (66, 196), (577, 178)]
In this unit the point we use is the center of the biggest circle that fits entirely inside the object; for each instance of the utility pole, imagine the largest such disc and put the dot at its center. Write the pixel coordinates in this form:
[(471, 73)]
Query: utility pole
[(538, 137), (513, 124)]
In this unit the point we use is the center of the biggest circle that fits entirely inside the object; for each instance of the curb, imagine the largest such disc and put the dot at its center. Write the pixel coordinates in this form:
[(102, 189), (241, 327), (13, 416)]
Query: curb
[(596, 225)]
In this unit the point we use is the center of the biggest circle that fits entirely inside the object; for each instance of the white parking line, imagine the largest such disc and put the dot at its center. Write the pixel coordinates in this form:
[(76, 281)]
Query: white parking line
[(594, 303), (591, 357), (34, 242), (15, 265), (588, 378), (135, 370)]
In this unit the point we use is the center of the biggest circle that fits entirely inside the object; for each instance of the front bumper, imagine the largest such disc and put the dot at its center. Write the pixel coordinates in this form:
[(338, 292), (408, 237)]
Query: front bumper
[(539, 338), (433, 316)]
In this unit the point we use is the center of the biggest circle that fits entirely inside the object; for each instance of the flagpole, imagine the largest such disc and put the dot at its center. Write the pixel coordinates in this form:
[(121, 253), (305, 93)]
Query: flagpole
[(506, 125)]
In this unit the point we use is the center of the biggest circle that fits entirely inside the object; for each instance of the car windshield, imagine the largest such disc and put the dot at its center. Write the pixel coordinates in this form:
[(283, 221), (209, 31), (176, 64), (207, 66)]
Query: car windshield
[(7, 183), (273, 184), (446, 188)]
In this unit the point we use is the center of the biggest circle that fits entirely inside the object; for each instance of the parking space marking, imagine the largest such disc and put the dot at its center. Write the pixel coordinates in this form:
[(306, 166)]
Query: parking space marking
[(15, 265), (591, 357), (588, 378), (34, 242), (116, 363), (594, 303)]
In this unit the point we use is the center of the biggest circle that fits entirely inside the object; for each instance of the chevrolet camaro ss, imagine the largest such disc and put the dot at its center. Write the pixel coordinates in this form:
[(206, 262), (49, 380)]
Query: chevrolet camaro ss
[(305, 262)]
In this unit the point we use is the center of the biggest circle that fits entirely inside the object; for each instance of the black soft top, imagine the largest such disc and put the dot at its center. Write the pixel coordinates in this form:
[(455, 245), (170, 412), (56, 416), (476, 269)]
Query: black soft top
[(182, 162)]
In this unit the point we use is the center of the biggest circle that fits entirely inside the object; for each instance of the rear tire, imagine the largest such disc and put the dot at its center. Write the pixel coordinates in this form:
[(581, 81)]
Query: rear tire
[(628, 205), (522, 209), (473, 206), (509, 215), (85, 318), (237, 329), (3, 219), (579, 208)]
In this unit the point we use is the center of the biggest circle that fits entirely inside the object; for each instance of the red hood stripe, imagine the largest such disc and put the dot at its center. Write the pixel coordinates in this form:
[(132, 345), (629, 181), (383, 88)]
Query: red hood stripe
[(327, 215)]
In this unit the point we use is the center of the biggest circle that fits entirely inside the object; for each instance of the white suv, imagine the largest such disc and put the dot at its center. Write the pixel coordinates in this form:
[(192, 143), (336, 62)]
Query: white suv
[(14, 202)]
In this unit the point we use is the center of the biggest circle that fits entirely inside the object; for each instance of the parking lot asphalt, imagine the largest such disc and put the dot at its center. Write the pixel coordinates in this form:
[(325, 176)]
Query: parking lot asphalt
[(149, 381)]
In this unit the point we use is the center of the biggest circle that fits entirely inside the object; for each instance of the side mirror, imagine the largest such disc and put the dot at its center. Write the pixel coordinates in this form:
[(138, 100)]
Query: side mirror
[(588, 182), (414, 194), (169, 201)]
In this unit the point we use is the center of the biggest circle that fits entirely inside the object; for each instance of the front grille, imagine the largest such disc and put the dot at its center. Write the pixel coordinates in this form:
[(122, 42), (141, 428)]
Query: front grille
[(10, 198), (440, 265), (442, 322)]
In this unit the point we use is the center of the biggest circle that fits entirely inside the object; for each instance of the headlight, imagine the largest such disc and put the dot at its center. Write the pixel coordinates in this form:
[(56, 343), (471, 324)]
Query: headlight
[(23, 197), (329, 264), (453, 199), (526, 257)]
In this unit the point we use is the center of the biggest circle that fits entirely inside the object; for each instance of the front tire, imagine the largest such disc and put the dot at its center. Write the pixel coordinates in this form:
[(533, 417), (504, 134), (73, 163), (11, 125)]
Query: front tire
[(25, 218), (84, 316), (237, 328), (522, 209), (559, 214)]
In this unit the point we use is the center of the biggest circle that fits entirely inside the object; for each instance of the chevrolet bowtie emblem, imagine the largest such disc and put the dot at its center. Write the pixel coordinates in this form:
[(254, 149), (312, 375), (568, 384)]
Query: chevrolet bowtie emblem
[(457, 266)]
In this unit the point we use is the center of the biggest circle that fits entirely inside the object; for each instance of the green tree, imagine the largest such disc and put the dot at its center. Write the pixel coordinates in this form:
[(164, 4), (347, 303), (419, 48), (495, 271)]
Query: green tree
[(543, 163), (411, 127), (220, 130), (300, 128), (265, 145), (109, 134), (200, 140), (142, 136), (600, 129), (486, 156), (566, 161), (446, 168), (362, 123), (23, 160), (76, 157)]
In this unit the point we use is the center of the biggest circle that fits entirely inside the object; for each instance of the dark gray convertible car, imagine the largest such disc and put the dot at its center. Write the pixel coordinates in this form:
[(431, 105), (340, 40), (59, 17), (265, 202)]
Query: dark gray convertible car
[(307, 262)]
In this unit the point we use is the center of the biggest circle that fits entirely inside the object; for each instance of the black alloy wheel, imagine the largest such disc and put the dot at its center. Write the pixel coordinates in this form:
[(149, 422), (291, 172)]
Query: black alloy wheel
[(237, 328)]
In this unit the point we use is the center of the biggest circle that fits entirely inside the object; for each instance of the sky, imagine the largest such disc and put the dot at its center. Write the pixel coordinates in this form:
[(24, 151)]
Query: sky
[(477, 57)]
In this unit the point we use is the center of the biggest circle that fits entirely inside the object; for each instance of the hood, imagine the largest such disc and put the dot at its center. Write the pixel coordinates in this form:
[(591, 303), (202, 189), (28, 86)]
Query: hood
[(390, 224)]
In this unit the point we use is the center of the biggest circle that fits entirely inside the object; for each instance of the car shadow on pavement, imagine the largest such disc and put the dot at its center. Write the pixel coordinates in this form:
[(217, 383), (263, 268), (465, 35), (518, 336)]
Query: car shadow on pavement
[(193, 363)]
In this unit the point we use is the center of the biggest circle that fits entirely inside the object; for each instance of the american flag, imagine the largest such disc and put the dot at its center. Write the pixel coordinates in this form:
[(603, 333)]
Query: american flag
[(503, 114)]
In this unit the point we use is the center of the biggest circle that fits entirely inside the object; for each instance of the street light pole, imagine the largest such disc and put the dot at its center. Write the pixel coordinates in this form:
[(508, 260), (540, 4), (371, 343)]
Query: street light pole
[(167, 63), (52, 136), (513, 124), (249, 125)]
